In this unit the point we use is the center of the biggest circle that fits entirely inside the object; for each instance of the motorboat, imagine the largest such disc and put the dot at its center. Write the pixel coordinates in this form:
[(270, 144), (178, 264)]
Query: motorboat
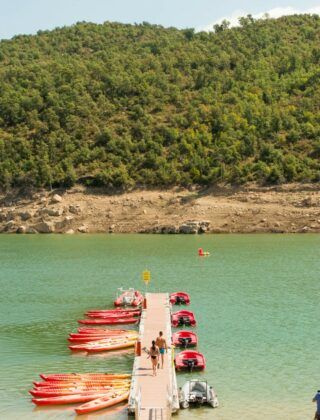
[(190, 360), (179, 298), (184, 339), (197, 392), (183, 317), (129, 297)]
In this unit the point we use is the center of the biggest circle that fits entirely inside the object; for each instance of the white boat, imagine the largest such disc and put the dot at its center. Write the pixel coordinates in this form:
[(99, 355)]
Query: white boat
[(197, 392)]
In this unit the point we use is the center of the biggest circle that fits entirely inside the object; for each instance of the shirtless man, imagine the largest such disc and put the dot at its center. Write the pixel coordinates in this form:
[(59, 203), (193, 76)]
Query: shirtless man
[(162, 344)]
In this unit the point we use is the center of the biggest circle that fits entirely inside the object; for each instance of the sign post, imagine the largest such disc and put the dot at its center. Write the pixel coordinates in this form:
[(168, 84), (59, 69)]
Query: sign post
[(146, 277)]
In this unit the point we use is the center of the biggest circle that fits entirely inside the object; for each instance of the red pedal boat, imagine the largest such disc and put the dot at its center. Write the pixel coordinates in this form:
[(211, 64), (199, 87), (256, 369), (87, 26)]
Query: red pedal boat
[(183, 318), (179, 298), (190, 360), (184, 339), (129, 297)]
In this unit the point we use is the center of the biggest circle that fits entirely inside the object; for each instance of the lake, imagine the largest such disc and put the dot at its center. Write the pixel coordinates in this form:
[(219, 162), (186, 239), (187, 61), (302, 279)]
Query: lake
[(256, 300)]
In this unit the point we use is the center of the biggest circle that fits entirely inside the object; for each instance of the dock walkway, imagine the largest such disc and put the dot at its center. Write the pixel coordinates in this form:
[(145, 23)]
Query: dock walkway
[(154, 397)]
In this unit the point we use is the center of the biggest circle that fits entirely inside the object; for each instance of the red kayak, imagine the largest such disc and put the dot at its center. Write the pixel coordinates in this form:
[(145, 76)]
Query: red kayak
[(129, 298), (183, 318), (82, 376), (184, 339), (109, 321), (190, 360), (72, 383), (179, 298), (122, 315), (44, 393), (90, 338), (114, 311), (87, 331)]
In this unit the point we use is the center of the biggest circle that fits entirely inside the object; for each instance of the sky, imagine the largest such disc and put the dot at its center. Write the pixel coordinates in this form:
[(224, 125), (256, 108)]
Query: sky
[(29, 16)]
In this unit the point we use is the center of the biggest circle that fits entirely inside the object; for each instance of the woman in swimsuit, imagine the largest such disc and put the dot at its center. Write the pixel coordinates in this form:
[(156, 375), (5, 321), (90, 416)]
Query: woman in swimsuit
[(154, 355)]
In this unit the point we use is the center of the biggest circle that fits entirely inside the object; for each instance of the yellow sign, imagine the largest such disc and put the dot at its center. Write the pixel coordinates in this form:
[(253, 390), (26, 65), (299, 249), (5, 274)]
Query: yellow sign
[(146, 276)]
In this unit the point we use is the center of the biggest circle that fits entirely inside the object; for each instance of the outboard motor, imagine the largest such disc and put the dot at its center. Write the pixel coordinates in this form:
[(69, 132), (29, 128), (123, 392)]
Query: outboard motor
[(180, 300), (181, 320), (185, 341), (186, 321), (190, 364)]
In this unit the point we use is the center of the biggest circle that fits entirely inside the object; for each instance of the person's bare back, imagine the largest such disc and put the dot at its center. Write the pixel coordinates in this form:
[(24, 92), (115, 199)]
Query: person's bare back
[(162, 345)]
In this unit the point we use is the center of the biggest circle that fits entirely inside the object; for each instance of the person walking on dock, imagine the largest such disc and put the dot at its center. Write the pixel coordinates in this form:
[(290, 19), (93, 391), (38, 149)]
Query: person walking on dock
[(154, 354), (162, 344), (317, 400)]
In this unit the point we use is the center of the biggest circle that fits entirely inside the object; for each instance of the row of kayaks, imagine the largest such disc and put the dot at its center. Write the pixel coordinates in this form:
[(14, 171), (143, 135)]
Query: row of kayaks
[(93, 391), (93, 340)]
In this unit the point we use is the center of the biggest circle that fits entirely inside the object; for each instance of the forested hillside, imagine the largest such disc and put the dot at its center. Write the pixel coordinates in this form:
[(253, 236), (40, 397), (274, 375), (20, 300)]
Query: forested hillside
[(124, 105)]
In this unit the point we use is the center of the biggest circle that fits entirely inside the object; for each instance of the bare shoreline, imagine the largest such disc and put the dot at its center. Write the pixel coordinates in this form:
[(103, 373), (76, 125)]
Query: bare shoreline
[(291, 208)]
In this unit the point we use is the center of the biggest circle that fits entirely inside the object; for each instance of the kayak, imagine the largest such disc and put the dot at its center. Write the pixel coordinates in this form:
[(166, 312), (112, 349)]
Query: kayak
[(92, 330), (67, 399), (113, 316), (67, 376), (79, 386), (105, 344), (108, 321), (106, 347), (63, 392), (82, 387), (115, 311), (102, 402), (66, 384), (84, 336), (89, 339)]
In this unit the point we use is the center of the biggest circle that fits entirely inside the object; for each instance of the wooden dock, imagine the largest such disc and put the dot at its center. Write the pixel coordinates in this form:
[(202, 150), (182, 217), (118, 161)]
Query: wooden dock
[(154, 397)]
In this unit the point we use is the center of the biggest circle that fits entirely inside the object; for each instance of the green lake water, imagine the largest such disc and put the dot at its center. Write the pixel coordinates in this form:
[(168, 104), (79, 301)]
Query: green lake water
[(256, 300)]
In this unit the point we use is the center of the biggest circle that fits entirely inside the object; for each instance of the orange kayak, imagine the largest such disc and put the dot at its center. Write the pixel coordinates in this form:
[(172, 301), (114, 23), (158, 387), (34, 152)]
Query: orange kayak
[(67, 376), (92, 330), (106, 347), (68, 399), (102, 402), (106, 344), (48, 384), (56, 392), (86, 338)]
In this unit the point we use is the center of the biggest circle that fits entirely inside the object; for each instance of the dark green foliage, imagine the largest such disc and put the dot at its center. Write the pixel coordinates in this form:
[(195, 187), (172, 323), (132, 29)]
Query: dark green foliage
[(126, 105)]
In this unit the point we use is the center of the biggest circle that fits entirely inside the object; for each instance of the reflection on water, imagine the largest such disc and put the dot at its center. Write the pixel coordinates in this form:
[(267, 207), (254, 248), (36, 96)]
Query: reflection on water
[(256, 302)]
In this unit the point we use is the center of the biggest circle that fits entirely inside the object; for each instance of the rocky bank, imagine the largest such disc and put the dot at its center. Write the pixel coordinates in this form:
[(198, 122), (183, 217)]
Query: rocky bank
[(287, 208)]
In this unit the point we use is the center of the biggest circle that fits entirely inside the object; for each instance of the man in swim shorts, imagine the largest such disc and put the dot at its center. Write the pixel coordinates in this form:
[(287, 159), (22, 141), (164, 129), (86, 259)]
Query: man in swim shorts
[(317, 400), (162, 344)]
